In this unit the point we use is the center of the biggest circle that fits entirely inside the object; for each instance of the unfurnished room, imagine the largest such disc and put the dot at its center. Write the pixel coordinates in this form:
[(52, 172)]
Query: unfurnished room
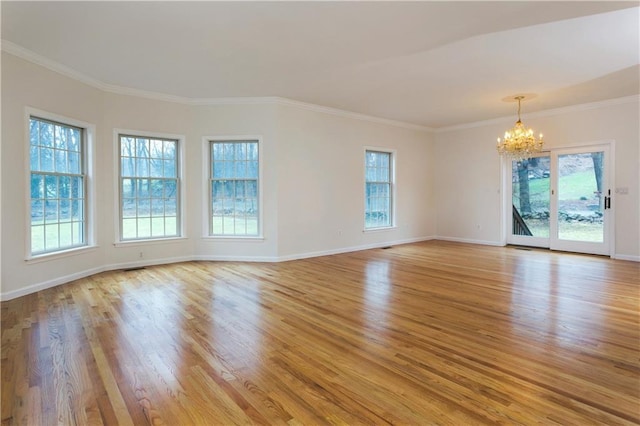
[(306, 213)]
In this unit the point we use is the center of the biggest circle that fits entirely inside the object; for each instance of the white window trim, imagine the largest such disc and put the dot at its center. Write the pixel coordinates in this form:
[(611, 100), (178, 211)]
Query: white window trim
[(90, 202), (394, 194), (182, 203), (206, 167)]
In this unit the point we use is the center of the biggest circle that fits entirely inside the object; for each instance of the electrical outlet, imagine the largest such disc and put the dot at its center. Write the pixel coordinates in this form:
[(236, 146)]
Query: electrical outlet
[(622, 191), (141, 256)]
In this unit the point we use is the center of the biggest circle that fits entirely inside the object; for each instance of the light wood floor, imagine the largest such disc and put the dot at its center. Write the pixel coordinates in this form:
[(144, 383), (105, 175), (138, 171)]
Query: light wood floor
[(427, 333)]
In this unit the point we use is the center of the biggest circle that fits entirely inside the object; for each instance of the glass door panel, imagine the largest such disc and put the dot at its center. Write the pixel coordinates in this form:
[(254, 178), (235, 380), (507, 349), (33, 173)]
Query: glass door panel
[(581, 200), (530, 199), (580, 197)]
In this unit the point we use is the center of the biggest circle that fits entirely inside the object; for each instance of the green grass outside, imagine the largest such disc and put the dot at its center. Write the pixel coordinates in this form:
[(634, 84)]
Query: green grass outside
[(572, 187), (572, 231), (229, 225)]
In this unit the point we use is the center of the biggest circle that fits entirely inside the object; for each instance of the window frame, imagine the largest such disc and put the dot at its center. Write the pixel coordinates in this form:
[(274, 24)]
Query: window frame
[(180, 186), (207, 155), (87, 161), (392, 188)]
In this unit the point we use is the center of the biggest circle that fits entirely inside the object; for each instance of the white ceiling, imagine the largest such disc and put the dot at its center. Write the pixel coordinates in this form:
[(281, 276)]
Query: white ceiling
[(433, 64)]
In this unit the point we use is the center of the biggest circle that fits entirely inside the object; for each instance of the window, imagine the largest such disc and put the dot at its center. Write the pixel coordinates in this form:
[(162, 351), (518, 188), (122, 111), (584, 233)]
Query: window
[(58, 180), (149, 188), (378, 189), (234, 188)]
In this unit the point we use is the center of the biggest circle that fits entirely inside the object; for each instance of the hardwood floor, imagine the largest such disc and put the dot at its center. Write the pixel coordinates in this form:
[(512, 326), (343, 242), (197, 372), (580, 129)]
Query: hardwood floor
[(426, 333)]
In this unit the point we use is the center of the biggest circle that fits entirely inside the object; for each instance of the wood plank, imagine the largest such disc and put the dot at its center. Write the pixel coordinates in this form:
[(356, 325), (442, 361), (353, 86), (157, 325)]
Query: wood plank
[(432, 332)]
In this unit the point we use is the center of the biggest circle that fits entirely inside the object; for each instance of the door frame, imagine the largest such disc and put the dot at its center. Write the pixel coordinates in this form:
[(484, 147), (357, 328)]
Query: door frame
[(505, 172)]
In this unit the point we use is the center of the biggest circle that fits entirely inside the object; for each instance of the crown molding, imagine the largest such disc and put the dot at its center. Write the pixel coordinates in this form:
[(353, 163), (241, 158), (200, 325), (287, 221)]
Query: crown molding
[(54, 66), (37, 59), (350, 114), (633, 99)]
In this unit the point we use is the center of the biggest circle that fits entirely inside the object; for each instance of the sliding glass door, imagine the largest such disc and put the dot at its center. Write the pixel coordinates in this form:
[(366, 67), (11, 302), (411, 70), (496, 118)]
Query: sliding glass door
[(562, 200)]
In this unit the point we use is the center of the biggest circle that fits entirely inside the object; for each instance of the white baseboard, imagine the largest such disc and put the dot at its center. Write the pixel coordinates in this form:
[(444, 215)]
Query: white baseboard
[(216, 258), (626, 257), (470, 241), (83, 274), (50, 283), (308, 255)]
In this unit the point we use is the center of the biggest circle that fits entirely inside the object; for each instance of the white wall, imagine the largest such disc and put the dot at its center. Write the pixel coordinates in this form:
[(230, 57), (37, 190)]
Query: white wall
[(236, 120), (468, 170), (321, 188), (309, 192), (27, 85)]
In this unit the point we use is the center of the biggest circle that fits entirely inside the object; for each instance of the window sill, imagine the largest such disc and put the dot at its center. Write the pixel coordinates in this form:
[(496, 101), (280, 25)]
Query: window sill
[(133, 243), (46, 257), (381, 229), (233, 238)]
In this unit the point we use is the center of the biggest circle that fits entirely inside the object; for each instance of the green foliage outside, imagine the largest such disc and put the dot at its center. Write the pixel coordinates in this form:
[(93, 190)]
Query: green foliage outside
[(572, 187)]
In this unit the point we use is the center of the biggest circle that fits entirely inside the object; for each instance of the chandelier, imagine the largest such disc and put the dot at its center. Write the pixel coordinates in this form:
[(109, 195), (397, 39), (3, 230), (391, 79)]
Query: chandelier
[(519, 143)]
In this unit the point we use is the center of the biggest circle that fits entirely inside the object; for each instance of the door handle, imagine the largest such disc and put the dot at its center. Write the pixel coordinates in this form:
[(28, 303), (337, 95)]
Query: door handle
[(607, 200)]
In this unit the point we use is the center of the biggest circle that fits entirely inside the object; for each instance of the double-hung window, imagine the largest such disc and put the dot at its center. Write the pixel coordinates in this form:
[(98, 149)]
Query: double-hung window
[(58, 186), (149, 188), (378, 189), (234, 202)]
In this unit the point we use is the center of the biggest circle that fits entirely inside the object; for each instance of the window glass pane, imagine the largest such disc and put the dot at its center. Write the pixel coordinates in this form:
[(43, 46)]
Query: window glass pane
[(77, 229), (129, 228), (169, 150), (51, 211), (156, 188), (144, 207), (37, 212), (234, 188), (37, 186), (77, 209), (46, 160), (171, 225), (34, 132), (157, 227), (157, 207), (156, 168), (229, 152), (74, 162), (65, 230), (240, 169), (378, 194), (127, 147), (144, 227), (156, 149), (142, 148), (74, 138), (170, 207), (51, 237), (170, 188), (126, 166), (46, 134), (57, 187), (34, 154), (252, 151), (60, 137), (169, 168), (252, 169), (142, 167), (37, 239), (148, 198)]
